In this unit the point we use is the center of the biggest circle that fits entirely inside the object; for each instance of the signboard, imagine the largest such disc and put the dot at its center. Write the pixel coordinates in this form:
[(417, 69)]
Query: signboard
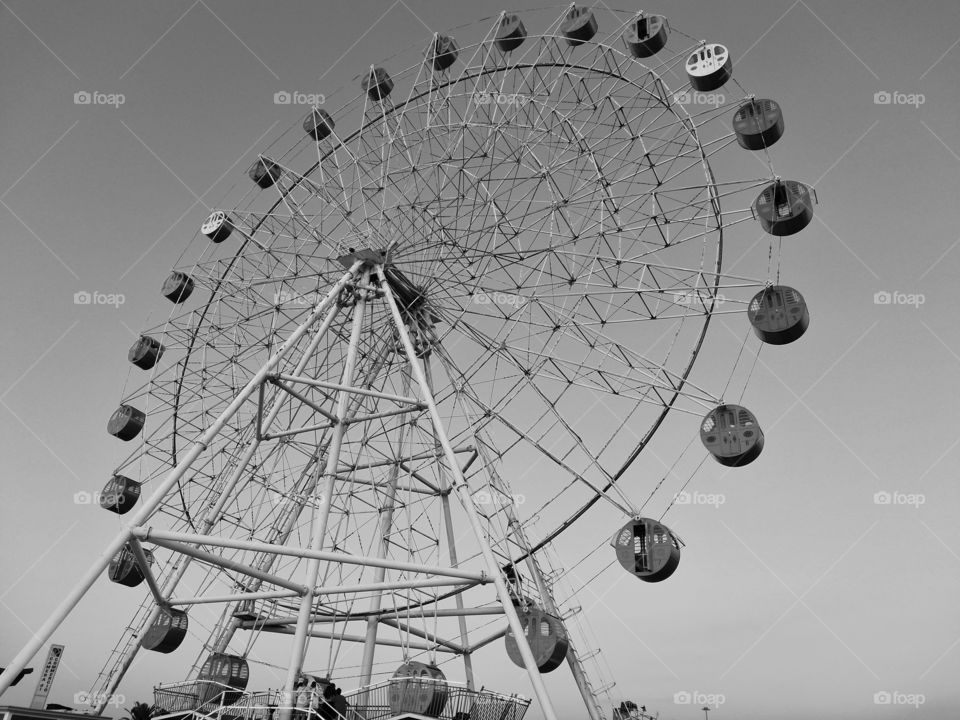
[(46, 677)]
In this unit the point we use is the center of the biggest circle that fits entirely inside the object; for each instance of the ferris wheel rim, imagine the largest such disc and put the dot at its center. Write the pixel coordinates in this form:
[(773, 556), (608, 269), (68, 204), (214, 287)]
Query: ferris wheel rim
[(301, 179), (556, 531), (398, 110), (282, 224)]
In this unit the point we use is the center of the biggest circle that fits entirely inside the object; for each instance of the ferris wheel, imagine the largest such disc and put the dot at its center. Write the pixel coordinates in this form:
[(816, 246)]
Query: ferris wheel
[(432, 292)]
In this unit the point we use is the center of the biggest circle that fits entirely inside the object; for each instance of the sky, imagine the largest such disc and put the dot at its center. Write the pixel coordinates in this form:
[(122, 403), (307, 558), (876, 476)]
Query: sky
[(801, 591)]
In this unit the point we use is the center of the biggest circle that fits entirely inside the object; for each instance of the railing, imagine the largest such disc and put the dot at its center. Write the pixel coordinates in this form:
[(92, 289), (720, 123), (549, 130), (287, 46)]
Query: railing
[(373, 702), (176, 697), (252, 706), (206, 697), (633, 713), (206, 700)]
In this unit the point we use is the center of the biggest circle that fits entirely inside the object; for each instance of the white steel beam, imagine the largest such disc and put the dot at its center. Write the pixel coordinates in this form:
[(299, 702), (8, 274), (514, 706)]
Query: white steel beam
[(236, 597), (463, 491), (156, 536), (489, 639), (147, 571), (386, 526), (413, 645), (451, 543), (343, 387), (43, 634), (404, 628), (408, 458), (223, 562), (213, 514), (362, 617), (319, 531), (325, 590)]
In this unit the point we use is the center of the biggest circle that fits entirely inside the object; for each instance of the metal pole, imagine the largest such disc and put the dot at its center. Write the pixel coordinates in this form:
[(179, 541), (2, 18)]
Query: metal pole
[(212, 516), (228, 564), (296, 508), (386, 526), (236, 597), (156, 536), (319, 619), (324, 590), (489, 639), (410, 630), (147, 572), (451, 546), (550, 605), (210, 520), (573, 660), (45, 631), (226, 629), (412, 644), (463, 491), (320, 522)]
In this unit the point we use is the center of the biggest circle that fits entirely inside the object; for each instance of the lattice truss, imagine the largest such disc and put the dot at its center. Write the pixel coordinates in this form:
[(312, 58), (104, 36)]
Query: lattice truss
[(552, 227)]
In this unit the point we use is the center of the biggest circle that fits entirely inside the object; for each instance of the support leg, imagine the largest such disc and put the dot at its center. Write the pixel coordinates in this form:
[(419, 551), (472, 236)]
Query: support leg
[(320, 521), (44, 633), (463, 490), (295, 509), (546, 594), (386, 526), (452, 549), (211, 517)]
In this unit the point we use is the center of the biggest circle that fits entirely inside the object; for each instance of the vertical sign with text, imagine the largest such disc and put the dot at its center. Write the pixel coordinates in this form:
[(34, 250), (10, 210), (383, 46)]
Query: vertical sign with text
[(46, 677)]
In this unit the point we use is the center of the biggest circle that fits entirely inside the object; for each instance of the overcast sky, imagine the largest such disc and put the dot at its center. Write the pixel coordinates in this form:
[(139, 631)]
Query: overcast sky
[(800, 594)]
